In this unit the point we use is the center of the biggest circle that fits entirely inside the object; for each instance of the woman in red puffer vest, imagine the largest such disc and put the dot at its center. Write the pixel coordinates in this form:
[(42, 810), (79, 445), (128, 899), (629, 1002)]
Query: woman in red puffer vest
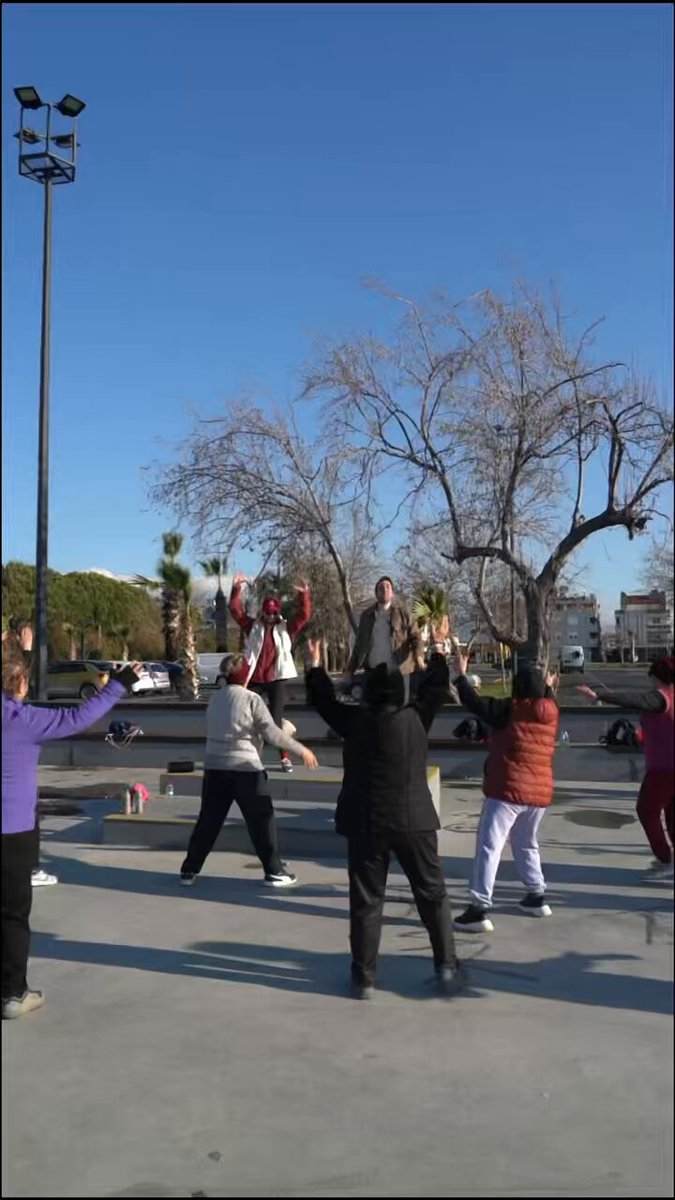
[(518, 788)]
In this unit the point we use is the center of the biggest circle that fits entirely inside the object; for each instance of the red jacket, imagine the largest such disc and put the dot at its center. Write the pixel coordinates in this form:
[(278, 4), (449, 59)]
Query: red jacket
[(519, 768)]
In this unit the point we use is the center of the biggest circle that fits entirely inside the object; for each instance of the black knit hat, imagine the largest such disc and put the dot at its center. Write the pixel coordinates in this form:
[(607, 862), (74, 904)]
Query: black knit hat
[(384, 687), (529, 684), (382, 579)]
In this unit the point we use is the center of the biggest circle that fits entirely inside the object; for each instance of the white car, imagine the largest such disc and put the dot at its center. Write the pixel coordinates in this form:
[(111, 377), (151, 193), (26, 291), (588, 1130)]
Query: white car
[(208, 666), (144, 684), (160, 676)]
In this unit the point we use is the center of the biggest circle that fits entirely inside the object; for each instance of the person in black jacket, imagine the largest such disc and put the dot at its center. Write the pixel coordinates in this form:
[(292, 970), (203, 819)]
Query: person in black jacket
[(384, 806)]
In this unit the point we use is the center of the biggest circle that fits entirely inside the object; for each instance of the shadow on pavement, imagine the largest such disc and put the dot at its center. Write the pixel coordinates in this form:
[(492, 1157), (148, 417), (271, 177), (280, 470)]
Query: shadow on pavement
[(569, 977)]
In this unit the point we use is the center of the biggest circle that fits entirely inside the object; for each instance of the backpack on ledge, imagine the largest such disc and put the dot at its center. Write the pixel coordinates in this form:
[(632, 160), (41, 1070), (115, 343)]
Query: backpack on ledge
[(622, 733), (471, 730)]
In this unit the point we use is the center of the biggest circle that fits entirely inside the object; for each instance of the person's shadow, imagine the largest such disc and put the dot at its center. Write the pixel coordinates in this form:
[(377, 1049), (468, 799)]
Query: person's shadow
[(569, 977)]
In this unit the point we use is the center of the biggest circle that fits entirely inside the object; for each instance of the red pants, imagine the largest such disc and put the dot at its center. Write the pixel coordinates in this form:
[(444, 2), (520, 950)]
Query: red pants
[(655, 798)]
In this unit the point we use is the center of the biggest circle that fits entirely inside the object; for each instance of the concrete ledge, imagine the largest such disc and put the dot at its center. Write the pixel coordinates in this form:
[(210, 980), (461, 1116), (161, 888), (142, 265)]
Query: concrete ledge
[(304, 810)]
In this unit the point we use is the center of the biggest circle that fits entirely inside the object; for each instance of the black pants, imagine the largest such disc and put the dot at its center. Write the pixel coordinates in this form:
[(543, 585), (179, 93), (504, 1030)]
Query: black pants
[(220, 790), (20, 853), (368, 867), (275, 695)]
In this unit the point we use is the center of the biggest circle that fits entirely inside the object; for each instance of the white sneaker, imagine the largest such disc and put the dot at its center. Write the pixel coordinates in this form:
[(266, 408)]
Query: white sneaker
[(660, 871), (282, 878), (287, 765), (40, 878), (18, 1006)]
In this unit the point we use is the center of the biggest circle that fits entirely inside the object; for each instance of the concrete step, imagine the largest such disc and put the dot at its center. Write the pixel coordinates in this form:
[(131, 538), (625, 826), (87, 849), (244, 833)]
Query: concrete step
[(322, 785), (304, 806)]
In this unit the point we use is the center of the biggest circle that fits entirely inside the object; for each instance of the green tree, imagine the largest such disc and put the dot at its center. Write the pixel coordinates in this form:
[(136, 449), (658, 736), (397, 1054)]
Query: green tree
[(215, 568), (177, 615)]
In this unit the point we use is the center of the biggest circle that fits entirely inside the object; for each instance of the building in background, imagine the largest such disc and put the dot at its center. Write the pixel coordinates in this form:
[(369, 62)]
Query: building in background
[(644, 626), (575, 621)]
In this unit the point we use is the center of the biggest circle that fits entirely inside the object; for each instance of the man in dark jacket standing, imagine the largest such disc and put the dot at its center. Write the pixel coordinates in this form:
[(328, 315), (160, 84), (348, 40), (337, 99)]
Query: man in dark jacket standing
[(384, 806)]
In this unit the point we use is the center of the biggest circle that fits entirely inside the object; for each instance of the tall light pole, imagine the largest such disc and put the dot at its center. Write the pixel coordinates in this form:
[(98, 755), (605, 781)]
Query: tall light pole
[(44, 165)]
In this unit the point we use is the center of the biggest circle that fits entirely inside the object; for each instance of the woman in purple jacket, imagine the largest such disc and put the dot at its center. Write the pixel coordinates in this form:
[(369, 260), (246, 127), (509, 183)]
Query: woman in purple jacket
[(24, 728)]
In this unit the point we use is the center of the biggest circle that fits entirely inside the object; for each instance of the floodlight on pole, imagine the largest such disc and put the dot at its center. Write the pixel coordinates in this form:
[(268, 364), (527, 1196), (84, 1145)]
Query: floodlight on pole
[(54, 162), (28, 97), (70, 106)]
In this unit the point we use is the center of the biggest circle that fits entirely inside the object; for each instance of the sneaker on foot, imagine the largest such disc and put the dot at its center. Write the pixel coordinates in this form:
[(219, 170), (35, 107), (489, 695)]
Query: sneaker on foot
[(535, 904), (287, 765), (450, 979), (40, 878), (18, 1006), (284, 877), (474, 920), (660, 871), (361, 991), (187, 878)]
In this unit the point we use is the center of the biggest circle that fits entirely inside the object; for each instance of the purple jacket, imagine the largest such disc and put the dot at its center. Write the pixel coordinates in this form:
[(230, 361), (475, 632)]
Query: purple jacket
[(24, 728)]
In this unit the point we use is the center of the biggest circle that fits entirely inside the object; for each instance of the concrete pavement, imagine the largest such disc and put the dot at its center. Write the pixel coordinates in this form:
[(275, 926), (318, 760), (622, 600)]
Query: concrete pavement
[(199, 1041)]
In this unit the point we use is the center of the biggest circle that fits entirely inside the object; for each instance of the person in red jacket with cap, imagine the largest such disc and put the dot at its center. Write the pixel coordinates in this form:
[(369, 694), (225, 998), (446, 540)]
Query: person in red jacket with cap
[(269, 647)]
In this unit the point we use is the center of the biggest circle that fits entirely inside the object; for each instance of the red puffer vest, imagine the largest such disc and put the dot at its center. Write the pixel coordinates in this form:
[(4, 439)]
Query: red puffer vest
[(520, 763)]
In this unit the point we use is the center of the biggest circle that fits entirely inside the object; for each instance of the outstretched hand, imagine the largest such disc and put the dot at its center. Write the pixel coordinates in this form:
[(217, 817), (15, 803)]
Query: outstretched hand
[(552, 680), (461, 663), (240, 578), (309, 759), (586, 691)]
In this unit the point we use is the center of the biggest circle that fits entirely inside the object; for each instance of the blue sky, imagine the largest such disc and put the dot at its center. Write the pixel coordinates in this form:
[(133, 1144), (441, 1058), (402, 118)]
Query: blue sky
[(243, 167)]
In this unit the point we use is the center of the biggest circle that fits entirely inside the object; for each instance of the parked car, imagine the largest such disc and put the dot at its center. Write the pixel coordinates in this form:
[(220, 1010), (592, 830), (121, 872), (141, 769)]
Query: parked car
[(160, 676), (208, 666), (145, 682), (75, 679)]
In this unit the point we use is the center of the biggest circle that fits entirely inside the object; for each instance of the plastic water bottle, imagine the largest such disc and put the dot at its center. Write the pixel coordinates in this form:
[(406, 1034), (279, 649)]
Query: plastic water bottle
[(169, 789), (565, 738)]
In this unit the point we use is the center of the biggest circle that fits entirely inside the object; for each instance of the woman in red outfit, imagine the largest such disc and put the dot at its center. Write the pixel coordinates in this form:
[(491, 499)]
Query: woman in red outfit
[(655, 800), (269, 647)]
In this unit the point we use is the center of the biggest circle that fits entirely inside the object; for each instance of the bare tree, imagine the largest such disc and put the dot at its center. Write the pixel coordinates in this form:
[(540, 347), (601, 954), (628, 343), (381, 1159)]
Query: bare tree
[(657, 569), (493, 411), (252, 479)]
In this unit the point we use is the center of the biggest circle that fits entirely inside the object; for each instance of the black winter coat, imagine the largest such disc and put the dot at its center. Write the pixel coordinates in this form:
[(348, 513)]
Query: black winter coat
[(384, 788)]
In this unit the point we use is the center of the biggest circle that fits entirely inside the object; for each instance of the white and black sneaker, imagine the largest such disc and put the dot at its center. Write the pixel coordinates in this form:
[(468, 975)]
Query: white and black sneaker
[(187, 878), (284, 877), (287, 765), (361, 991), (450, 980), (474, 920), (535, 904)]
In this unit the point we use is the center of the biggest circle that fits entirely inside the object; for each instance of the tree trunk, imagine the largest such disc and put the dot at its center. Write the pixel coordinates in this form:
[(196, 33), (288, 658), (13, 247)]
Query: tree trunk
[(172, 605), (189, 678), (534, 651)]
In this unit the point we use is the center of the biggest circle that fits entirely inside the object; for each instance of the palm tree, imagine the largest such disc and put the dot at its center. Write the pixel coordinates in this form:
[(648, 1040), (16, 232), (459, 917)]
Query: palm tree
[(170, 580), (430, 609), (215, 568), (175, 582), (123, 633)]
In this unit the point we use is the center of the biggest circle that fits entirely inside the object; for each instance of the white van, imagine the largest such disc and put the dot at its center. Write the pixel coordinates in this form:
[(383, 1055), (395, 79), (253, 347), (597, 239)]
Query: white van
[(572, 658)]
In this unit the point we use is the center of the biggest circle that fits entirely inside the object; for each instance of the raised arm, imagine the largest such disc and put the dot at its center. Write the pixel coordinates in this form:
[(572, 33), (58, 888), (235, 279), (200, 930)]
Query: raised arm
[(46, 724), (432, 693), (303, 611), (649, 700), (236, 607)]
